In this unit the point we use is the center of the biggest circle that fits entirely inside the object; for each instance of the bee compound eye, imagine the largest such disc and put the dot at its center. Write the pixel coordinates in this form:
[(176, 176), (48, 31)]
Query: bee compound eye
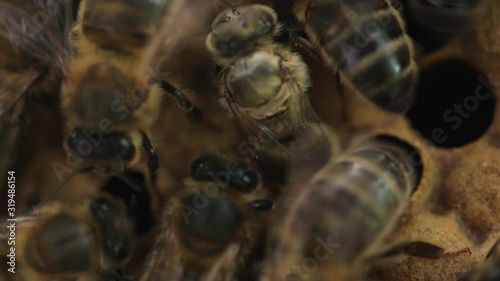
[(202, 168), (101, 146), (265, 24), (125, 147), (75, 139), (228, 45), (246, 181)]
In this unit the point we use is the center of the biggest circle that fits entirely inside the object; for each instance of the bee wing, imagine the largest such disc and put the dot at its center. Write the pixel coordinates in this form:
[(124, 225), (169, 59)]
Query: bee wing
[(162, 43), (9, 146), (224, 269), (33, 34), (255, 128), (164, 263), (314, 143), (11, 92), (40, 29)]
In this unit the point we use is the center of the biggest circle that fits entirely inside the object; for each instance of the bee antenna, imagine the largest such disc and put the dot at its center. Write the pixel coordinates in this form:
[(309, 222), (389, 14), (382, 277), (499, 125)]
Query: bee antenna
[(202, 32), (233, 5), (126, 180), (67, 179), (133, 204), (186, 39), (134, 210)]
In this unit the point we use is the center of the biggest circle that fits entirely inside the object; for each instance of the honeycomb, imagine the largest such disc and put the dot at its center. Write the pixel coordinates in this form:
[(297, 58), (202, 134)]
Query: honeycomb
[(456, 206)]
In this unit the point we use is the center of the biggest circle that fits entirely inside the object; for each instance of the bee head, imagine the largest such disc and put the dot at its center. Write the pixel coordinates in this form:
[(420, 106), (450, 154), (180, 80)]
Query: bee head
[(234, 33), (109, 151)]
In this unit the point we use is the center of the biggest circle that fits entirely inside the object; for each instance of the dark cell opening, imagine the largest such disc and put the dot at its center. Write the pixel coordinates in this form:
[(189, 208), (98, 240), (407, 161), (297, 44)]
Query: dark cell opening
[(138, 202), (433, 27), (411, 153), (455, 104), (420, 35)]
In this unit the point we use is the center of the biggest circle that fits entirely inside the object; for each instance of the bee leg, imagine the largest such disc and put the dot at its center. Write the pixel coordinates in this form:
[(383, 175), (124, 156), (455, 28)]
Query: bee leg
[(153, 162), (418, 249), (494, 249), (192, 112), (306, 47), (65, 181), (303, 45), (421, 249), (233, 6)]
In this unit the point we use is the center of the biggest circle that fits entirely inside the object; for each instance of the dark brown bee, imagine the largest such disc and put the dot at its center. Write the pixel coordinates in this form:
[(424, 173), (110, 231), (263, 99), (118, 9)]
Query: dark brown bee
[(330, 227), (441, 20), (367, 43), (64, 242), (212, 225)]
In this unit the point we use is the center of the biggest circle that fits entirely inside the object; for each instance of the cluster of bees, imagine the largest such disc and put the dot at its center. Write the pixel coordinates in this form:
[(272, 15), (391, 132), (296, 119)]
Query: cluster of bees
[(331, 207)]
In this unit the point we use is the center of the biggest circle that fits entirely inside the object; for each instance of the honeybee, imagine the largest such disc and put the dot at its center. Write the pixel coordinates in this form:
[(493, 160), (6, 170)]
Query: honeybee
[(489, 270), (441, 20), (330, 227), (113, 92), (367, 43), (264, 84), (212, 224), (33, 52), (62, 242)]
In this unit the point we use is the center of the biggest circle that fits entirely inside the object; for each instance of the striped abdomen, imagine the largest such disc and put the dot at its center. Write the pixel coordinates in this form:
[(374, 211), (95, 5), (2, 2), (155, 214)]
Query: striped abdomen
[(357, 199), (121, 26), (366, 41)]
